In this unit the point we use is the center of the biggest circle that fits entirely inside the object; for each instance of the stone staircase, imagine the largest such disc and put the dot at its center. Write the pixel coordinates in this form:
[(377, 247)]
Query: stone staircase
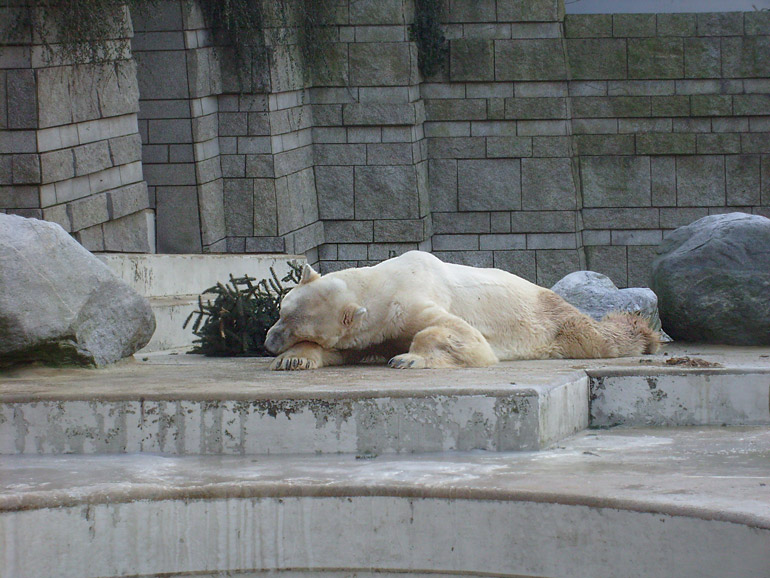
[(179, 465)]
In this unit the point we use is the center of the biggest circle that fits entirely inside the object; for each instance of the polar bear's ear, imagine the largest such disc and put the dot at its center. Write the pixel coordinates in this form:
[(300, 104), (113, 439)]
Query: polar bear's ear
[(308, 274), (352, 313)]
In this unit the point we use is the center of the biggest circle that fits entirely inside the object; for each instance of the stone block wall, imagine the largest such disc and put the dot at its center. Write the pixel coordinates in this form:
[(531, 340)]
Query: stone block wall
[(179, 83), (69, 146), (503, 181), (670, 123), (547, 144)]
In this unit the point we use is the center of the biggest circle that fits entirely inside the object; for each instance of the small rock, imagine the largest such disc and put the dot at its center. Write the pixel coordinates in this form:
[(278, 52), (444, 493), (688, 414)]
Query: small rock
[(596, 295), (59, 304), (712, 278)]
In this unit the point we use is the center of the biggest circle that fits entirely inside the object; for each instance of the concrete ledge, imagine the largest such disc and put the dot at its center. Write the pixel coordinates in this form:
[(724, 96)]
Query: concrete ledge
[(173, 283), (194, 405), (625, 503)]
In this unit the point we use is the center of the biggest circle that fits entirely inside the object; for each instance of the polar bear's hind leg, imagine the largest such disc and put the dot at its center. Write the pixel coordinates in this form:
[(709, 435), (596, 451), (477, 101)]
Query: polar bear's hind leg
[(454, 343)]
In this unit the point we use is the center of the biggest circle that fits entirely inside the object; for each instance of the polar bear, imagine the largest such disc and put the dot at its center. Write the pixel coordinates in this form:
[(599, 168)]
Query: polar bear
[(420, 312)]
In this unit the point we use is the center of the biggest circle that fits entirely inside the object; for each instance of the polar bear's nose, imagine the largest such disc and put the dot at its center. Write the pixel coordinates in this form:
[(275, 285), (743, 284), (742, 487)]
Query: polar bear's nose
[(273, 341)]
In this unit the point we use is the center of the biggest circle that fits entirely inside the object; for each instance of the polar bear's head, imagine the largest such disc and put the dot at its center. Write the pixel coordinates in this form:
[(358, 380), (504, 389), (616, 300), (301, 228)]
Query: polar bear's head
[(319, 309)]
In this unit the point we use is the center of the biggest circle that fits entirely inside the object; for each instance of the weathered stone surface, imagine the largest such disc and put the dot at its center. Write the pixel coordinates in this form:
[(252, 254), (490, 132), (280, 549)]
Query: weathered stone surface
[(712, 278), (596, 296), (60, 304)]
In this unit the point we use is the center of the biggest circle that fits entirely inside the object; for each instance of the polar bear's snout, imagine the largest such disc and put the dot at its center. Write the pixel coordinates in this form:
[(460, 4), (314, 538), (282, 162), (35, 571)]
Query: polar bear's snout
[(277, 340)]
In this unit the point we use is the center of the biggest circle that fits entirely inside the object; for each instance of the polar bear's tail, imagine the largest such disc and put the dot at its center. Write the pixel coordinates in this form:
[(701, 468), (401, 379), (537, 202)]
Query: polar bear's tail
[(628, 334)]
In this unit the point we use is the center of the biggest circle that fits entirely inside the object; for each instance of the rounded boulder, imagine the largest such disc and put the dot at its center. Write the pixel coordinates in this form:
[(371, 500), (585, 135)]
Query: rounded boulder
[(712, 278)]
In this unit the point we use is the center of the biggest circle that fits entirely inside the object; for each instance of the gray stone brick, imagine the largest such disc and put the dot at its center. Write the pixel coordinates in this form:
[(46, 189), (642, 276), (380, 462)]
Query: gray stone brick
[(621, 218), (461, 223), (133, 233), (609, 144), (125, 149), (715, 144), (352, 252), (178, 221), (521, 263), (702, 58), (643, 237), (719, 125), (371, 114), (671, 218), (327, 115), (539, 221), (665, 144), (92, 158), (655, 57), (528, 10), (641, 88), (640, 260), (126, 200), (711, 104), (363, 134), (25, 169), (471, 60), (349, 231), (181, 153), (91, 238), (239, 207), (530, 59), (594, 126), (443, 184), (502, 242), (389, 154), (535, 108), (552, 265), (456, 148), (592, 238), (676, 24), (500, 222), (751, 104), (597, 58), (505, 147), (551, 146), (663, 181), (456, 109), (755, 143), (6, 170), (588, 88), (162, 75), (22, 99), (610, 261), (88, 211), (547, 184), (334, 154), (455, 242), (588, 25), (540, 89), (265, 208), (265, 245), (720, 24), (57, 165), (670, 105), (297, 201), (335, 188), (607, 107), (489, 185), (551, 241), (260, 166), (386, 192), (700, 181), (18, 141), (233, 166), (472, 11), (542, 127), (699, 125), (756, 22), (633, 25), (381, 64), (393, 231), (493, 128), (743, 179), (765, 178), (56, 214), (615, 181)]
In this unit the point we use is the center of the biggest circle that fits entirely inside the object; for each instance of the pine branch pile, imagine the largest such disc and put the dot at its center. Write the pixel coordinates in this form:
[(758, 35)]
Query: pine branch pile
[(236, 322)]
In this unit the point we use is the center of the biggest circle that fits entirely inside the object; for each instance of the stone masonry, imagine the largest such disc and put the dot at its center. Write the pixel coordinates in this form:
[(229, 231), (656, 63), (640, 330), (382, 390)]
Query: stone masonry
[(69, 146), (547, 144)]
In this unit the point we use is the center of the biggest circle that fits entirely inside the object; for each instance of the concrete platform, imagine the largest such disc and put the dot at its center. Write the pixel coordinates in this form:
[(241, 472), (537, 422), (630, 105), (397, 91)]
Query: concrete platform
[(625, 502), (189, 404)]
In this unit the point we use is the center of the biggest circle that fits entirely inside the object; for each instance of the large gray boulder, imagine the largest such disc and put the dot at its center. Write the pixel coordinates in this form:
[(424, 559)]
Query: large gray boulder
[(60, 304), (712, 278), (596, 295)]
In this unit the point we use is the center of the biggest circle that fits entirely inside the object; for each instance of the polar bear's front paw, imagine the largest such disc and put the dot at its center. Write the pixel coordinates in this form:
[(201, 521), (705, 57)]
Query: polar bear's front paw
[(408, 361), (289, 363)]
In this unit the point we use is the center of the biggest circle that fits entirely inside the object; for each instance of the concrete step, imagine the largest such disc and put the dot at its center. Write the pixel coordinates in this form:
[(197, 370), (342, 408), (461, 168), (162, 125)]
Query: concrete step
[(189, 404), (632, 503), (173, 283)]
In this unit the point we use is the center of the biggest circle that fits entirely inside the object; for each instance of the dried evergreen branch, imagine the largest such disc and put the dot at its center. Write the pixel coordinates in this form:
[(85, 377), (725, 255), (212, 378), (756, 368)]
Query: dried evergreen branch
[(237, 320)]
